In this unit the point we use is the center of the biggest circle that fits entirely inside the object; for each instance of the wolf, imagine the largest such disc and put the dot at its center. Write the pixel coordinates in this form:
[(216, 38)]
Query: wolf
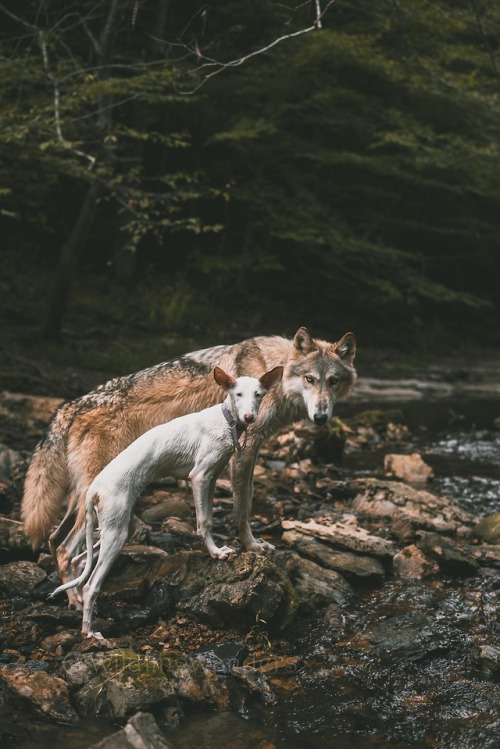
[(196, 446), (87, 433)]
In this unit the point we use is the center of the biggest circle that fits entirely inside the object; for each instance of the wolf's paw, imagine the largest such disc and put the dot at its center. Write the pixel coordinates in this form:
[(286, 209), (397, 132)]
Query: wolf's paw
[(260, 546)]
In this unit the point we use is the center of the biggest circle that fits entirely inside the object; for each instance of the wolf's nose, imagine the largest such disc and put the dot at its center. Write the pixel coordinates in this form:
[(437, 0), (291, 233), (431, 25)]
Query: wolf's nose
[(320, 419), (248, 418)]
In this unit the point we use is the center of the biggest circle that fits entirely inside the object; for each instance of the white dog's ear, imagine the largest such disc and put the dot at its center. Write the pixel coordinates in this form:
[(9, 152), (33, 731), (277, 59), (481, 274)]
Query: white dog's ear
[(271, 378), (223, 379), (303, 341), (346, 348)]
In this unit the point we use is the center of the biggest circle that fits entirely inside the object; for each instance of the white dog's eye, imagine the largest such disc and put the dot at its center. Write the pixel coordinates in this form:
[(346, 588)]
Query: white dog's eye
[(258, 395), (239, 395), (309, 379)]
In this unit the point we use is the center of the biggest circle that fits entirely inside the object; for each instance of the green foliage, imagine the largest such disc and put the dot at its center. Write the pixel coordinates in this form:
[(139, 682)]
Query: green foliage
[(349, 173)]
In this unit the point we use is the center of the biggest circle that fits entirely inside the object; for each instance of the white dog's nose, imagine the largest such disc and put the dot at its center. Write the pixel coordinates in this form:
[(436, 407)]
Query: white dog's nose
[(248, 417)]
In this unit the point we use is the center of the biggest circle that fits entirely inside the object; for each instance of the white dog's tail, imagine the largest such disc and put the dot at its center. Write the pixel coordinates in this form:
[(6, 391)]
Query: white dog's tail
[(89, 527)]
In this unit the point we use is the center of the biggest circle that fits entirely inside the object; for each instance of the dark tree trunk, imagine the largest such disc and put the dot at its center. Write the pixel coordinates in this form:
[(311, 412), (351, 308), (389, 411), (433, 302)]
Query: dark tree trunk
[(68, 259)]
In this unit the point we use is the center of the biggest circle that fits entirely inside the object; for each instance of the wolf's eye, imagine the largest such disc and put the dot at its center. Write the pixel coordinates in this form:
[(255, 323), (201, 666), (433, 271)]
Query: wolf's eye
[(333, 380), (309, 379)]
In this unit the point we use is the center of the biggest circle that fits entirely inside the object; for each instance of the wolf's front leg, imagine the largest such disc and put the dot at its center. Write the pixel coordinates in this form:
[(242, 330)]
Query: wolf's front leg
[(203, 491), (242, 467)]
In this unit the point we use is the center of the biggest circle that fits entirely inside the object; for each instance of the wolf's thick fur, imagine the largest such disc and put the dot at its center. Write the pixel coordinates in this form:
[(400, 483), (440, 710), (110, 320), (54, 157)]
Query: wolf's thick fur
[(87, 433), (195, 446)]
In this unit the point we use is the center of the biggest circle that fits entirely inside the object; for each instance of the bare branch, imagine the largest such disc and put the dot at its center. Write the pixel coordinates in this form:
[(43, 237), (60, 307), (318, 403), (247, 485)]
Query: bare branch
[(221, 66)]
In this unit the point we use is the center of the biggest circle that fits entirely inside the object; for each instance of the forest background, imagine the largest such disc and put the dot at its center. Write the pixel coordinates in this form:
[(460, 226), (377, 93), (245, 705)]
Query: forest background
[(176, 174)]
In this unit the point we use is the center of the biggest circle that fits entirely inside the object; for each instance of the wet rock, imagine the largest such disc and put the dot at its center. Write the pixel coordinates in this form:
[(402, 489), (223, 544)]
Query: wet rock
[(21, 578), (125, 682), (221, 657), (347, 535), (255, 682), (412, 564), (489, 660), (450, 558), (488, 528), (47, 694), (316, 586), (141, 732), (24, 418), (487, 556), (135, 571), (396, 500), (231, 592), (170, 507), (407, 467), (355, 568), (199, 685), (179, 527), (60, 642), (12, 536)]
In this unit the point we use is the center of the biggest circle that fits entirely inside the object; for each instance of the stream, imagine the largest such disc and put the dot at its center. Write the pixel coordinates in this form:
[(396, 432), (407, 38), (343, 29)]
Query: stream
[(404, 664), (398, 670)]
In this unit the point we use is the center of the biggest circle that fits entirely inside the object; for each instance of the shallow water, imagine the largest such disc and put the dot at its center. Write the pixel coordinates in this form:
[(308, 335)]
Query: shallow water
[(400, 667)]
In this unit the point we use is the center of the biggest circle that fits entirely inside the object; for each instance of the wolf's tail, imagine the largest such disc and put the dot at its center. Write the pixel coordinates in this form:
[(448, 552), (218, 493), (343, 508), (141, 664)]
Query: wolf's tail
[(47, 480)]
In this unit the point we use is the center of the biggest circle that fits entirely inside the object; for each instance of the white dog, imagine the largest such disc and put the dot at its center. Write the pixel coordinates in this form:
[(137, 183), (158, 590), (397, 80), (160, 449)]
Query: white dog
[(196, 446)]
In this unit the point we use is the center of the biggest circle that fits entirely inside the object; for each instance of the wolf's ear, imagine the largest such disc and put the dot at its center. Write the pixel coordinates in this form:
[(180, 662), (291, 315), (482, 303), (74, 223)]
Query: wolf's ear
[(271, 378), (346, 348), (223, 379), (303, 341)]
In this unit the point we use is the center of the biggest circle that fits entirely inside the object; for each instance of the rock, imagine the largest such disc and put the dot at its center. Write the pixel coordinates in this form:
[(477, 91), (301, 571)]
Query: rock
[(134, 573), (199, 685), (12, 535), (25, 417), (221, 657), (20, 578), (347, 535), (230, 592), (170, 507), (395, 500), (60, 642), (488, 528), (355, 568), (412, 564), (324, 444), (407, 467), (255, 682), (125, 682), (47, 694), (487, 556), (450, 558), (316, 586), (141, 732), (489, 660)]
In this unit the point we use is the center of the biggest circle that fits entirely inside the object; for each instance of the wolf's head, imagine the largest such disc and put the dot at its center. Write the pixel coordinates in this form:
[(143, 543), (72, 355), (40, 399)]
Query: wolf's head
[(320, 373)]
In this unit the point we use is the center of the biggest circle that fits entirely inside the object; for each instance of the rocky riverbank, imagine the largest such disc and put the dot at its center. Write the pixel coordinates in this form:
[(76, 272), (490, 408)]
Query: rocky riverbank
[(184, 633)]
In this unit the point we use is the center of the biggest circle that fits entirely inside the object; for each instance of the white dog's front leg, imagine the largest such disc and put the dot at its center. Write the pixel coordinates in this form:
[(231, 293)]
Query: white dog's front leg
[(242, 467), (203, 492)]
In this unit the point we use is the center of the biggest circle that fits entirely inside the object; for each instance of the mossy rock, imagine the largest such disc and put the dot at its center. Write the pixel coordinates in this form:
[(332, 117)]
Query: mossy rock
[(488, 528)]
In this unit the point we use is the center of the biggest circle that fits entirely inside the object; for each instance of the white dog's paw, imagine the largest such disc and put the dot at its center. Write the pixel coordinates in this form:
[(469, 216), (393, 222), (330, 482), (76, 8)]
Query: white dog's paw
[(223, 552)]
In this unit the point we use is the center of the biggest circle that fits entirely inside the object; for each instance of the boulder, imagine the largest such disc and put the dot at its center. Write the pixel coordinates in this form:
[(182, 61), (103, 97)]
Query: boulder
[(451, 559), (407, 467), (355, 568), (141, 732), (21, 578), (348, 535), (488, 528), (13, 537), (412, 564), (316, 586), (230, 592), (45, 693), (398, 501)]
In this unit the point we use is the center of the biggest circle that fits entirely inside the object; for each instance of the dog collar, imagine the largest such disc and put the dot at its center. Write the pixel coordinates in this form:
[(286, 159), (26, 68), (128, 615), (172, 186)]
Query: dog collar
[(236, 429)]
